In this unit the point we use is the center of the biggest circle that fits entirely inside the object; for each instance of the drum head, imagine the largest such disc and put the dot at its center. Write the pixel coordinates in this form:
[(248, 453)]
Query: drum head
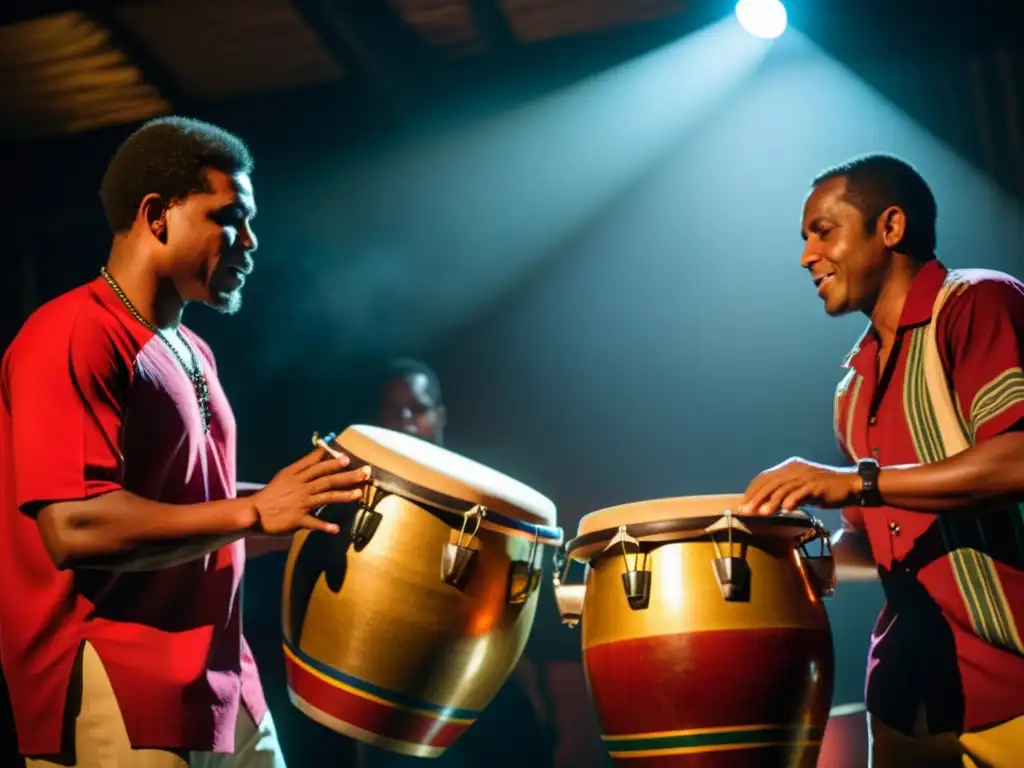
[(702, 510), (446, 472)]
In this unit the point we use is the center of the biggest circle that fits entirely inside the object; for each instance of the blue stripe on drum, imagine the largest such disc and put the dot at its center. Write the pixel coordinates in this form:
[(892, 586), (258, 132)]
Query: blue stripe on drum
[(545, 534), (391, 697)]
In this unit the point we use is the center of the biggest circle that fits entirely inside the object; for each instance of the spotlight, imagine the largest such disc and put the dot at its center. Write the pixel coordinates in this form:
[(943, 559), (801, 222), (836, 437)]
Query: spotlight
[(762, 18)]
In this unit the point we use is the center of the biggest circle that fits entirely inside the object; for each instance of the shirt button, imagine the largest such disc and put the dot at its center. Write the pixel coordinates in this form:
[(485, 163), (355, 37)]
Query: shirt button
[(871, 421), (894, 527), (874, 451)]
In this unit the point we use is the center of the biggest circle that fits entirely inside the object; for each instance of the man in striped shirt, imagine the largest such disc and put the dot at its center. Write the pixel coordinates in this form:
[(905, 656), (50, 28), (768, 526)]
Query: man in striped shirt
[(943, 530)]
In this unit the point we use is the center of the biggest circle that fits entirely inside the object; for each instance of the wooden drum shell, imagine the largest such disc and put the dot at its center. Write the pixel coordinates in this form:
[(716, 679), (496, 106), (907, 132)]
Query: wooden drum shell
[(389, 653), (695, 680)]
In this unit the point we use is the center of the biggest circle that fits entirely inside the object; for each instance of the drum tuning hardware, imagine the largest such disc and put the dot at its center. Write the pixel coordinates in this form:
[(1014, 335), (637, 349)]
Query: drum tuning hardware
[(457, 559), (820, 567), (525, 576), (367, 518), (636, 581), (732, 573), (568, 597)]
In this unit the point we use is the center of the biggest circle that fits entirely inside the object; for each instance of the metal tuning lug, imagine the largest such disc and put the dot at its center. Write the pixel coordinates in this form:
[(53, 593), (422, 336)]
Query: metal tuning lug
[(636, 580), (367, 518), (524, 575), (731, 572), (457, 559), (637, 585), (733, 575), (568, 597), (821, 568)]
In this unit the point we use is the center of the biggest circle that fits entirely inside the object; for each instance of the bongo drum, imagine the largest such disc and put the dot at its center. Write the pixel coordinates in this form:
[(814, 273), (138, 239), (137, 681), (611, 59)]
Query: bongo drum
[(705, 641), (399, 630)]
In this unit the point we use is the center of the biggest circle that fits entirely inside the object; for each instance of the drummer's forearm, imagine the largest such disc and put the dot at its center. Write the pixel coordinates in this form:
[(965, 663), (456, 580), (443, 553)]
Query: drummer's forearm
[(853, 557), (243, 489), (257, 545)]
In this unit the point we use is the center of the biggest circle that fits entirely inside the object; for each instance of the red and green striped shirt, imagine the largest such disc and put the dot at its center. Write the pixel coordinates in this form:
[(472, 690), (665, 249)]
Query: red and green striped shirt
[(950, 634)]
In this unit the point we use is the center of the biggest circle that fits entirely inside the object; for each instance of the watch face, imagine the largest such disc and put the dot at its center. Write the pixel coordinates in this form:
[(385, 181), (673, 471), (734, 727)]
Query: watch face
[(867, 466)]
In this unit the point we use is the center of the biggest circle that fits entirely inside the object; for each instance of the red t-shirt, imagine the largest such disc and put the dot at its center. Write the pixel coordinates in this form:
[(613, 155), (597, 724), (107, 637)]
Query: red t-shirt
[(93, 402), (950, 634)]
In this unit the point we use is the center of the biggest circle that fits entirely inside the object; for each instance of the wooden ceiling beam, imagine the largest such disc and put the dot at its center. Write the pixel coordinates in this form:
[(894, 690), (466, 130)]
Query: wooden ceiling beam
[(125, 40), (381, 54)]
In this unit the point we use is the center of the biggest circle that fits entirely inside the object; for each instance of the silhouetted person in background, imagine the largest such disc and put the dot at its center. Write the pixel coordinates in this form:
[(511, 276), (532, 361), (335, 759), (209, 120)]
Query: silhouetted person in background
[(515, 729), (410, 401)]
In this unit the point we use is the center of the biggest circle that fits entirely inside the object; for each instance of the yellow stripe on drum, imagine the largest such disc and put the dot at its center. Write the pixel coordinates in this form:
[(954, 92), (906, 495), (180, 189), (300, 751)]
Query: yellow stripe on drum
[(369, 696), (685, 596), (373, 739), (698, 740), (620, 755)]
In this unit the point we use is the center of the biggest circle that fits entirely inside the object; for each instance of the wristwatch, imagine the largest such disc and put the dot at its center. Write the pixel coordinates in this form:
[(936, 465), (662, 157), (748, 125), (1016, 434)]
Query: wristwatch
[(868, 470)]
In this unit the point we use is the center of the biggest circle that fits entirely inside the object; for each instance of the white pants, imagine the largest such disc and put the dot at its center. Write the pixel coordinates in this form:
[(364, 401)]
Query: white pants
[(102, 742)]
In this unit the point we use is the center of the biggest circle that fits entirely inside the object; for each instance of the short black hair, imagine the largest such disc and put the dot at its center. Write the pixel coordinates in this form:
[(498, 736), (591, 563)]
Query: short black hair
[(877, 181), (168, 156), (405, 368)]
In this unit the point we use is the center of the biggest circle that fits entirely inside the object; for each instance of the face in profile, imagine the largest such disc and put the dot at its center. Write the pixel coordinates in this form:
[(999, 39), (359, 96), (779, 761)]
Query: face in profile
[(210, 242), (846, 263), (407, 406)]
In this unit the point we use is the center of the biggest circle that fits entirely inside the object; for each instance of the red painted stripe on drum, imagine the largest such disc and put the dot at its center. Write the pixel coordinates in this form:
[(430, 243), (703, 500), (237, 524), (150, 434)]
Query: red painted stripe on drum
[(710, 679), (373, 716)]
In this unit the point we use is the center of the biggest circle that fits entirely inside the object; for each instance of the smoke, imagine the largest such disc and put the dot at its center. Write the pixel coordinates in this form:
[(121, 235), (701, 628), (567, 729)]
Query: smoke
[(395, 248)]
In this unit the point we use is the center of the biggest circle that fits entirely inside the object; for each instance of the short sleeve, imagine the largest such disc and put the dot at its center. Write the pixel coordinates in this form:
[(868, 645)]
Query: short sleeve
[(985, 345), (67, 404)]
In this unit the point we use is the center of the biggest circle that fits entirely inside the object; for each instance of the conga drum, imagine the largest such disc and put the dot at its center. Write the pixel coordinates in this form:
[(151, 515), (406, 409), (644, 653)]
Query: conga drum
[(705, 640), (399, 630)]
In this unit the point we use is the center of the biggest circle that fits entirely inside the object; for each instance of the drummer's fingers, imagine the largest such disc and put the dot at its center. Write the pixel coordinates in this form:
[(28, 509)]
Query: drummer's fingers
[(794, 498), (316, 524), (323, 498), (321, 468), (755, 492), (342, 480), (757, 500), (791, 489), (310, 459)]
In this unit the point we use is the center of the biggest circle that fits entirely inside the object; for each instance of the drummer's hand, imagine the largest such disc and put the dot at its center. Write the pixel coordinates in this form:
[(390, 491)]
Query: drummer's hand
[(286, 503), (795, 482)]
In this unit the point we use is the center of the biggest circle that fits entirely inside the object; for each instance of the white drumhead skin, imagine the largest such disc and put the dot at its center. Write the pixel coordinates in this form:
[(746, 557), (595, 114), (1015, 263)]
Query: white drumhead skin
[(447, 472), (676, 508)]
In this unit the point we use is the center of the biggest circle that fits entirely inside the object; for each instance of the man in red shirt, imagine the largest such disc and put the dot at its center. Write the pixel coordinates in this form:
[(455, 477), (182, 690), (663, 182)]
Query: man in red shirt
[(943, 527), (122, 542)]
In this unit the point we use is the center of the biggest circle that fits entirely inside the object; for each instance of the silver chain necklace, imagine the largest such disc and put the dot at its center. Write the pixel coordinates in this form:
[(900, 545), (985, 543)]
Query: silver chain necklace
[(194, 372)]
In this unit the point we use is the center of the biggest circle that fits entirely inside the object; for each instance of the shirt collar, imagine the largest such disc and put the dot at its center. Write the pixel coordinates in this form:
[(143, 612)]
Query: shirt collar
[(917, 310)]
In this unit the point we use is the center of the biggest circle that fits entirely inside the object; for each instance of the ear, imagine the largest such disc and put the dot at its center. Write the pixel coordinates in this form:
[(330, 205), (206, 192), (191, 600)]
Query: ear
[(153, 211), (893, 226)]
